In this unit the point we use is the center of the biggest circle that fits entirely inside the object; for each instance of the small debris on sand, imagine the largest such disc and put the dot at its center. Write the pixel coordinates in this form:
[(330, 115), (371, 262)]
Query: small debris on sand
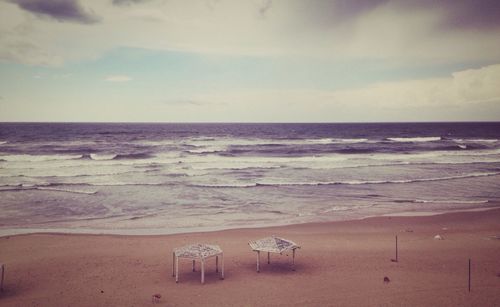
[(438, 237), (156, 298), (386, 279)]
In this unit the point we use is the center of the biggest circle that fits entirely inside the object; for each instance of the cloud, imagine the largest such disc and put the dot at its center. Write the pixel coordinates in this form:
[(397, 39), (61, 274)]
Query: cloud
[(464, 95), (14, 49), (127, 2), (61, 10), (265, 6), (396, 32), (462, 14), (460, 89), (184, 102), (118, 78)]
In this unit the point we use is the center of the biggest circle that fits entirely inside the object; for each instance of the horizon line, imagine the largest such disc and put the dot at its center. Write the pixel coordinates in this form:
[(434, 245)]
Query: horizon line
[(256, 122)]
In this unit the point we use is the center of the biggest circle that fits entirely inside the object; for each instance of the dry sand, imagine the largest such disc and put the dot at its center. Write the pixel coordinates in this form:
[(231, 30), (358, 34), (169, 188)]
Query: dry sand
[(340, 264)]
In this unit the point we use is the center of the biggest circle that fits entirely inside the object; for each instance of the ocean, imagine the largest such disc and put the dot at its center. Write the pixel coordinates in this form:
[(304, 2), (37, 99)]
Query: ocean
[(169, 178)]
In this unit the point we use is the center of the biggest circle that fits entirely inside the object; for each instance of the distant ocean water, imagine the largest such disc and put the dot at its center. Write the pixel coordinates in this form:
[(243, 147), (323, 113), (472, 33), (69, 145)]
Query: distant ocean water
[(166, 178)]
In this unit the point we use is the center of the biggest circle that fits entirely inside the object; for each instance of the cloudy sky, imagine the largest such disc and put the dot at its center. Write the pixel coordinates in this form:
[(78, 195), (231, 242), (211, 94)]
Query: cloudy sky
[(249, 61)]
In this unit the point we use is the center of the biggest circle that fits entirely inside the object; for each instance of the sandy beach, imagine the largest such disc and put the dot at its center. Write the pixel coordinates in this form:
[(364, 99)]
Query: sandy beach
[(340, 264)]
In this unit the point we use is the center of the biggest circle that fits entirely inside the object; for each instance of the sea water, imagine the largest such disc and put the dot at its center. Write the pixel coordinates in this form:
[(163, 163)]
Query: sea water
[(166, 178)]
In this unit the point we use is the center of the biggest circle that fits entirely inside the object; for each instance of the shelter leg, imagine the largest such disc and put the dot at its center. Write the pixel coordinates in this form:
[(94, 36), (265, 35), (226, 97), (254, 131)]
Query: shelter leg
[(176, 269), (173, 264), (216, 264), (293, 259), (222, 266), (202, 271), (268, 257), (258, 261), (194, 268)]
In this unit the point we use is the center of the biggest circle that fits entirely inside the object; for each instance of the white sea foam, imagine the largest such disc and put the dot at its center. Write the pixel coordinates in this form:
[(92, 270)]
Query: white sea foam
[(221, 162), (416, 139), (67, 190), (38, 158), (102, 156), (483, 140), (345, 208), (221, 144), (342, 182), (434, 156), (475, 140), (451, 201), (3, 142), (207, 149), (159, 143), (363, 182)]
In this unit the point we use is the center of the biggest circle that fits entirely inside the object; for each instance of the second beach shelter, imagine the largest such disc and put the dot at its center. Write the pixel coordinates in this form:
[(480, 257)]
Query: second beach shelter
[(273, 245)]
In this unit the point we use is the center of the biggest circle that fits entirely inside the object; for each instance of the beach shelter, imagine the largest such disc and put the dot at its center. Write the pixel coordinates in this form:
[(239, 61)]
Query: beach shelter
[(273, 244), (199, 252)]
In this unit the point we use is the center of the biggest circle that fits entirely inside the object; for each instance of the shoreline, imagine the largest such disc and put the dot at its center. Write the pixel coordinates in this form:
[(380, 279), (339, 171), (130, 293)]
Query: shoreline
[(178, 231), (337, 261)]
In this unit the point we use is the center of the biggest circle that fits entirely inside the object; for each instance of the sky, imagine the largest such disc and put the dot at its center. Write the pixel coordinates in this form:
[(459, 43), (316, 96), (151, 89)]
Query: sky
[(249, 61)]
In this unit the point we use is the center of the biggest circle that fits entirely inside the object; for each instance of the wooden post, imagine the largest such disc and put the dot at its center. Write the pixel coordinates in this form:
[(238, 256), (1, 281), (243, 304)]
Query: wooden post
[(268, 257), (176, 269), (2, 267), (258, 260), (469, 274), (202, 270), (396, 248), (222, 265), (216, 264), (194, 265), (173, 264)]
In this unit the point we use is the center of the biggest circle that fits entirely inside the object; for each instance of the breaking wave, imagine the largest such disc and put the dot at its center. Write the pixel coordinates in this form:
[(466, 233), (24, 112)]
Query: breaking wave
[(450, 201), (346, 182), (416, 139), (38, 158), (66, 190), (102, 156)]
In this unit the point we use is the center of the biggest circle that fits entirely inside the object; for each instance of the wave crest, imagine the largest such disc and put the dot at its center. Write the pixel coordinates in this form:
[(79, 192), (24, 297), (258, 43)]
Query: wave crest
[(38, 158), (416, 139), (347, 182)]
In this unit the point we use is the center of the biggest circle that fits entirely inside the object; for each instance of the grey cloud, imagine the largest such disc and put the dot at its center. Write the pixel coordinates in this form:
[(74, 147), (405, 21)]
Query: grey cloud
[(471, 14), (349, 8), (211, 3), (28, 53), (61, 10), (331, 13), (266, 6), (482, 14)]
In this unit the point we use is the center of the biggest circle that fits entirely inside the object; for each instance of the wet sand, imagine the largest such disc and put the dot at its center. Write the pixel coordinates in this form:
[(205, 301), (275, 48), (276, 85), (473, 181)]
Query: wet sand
[(339, 264)]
